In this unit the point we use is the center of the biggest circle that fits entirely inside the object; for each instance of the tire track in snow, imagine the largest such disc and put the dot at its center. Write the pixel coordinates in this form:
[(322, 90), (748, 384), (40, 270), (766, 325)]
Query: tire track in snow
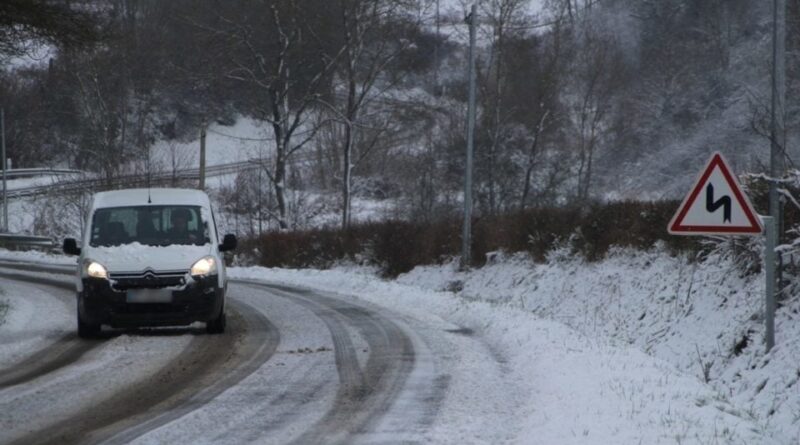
[(259, 345), (364, 395), (64, 351), (159, 398), (173, 391)]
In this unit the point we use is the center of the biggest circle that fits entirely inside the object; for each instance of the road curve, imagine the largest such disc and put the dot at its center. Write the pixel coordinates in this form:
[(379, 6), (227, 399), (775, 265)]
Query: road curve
[(297, 366), (206, 367)]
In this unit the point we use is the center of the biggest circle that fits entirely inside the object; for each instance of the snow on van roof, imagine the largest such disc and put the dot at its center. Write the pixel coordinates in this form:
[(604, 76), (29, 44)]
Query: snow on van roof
[(158, 196)]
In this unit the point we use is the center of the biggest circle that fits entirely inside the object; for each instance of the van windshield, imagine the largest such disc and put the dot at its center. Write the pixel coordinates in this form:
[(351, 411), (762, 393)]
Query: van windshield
[(151, 225)]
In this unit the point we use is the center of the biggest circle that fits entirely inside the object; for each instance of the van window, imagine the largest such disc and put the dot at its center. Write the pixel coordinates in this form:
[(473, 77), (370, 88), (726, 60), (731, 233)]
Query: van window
[(151, 225)]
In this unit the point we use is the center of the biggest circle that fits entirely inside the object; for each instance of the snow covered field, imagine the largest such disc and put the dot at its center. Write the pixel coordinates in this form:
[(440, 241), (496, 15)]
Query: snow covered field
[(246, 139)]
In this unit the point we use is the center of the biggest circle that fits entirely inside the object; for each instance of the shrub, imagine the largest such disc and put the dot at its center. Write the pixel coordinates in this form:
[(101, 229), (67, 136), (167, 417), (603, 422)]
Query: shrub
[(398, 246)]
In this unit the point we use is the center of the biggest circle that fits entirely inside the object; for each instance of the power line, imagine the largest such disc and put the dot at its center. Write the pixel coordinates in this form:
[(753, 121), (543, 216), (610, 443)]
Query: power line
[(240, 137), (267, 139)]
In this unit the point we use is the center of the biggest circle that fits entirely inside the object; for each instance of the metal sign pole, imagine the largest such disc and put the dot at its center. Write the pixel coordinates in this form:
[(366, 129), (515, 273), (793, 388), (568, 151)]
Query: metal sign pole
[(5, 167), (202, 184), (769, 260)]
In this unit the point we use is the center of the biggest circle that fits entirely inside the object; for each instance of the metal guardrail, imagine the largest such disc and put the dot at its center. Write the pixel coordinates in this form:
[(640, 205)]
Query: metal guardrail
[(139, 180), (15, 240), (135, 180), (29, 172)]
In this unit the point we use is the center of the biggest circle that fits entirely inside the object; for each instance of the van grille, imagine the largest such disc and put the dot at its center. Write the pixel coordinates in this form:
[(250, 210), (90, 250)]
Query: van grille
[(148, 279)]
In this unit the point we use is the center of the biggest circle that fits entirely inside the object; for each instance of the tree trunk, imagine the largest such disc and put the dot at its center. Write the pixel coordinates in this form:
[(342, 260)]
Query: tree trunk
[(346, 177), (347, 152), (280, 187), (527, 188), (279, 110)]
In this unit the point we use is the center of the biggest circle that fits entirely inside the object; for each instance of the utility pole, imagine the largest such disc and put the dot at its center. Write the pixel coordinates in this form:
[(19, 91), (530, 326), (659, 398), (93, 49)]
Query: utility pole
[(202, 185), (472, 20), (5, 167), (436, 53), (260, 167), (777, 140)]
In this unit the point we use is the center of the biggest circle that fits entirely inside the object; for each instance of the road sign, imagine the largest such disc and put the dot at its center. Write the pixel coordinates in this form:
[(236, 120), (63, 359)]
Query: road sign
[(716, 205)]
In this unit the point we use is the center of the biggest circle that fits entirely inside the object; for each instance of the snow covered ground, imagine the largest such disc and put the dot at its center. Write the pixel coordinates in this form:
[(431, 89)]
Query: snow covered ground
[(638, 348), (14, 184), (244, 140), (587, 382), (704, 318), (28, 323)]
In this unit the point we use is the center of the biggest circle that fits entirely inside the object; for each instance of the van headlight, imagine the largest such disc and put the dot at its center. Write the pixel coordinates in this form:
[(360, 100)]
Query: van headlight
[(96, 270), (204, 266)]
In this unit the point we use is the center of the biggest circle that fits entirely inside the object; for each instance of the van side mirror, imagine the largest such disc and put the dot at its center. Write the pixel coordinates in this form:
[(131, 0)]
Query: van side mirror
[(71, 247), (228, 243)]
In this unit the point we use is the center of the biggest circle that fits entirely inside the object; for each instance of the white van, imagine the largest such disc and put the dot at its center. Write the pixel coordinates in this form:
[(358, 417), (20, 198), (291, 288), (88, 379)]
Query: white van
[(150, 257)]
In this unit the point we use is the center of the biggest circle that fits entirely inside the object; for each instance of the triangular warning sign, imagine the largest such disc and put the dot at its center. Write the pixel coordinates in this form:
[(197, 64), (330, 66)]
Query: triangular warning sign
[(716, 205)]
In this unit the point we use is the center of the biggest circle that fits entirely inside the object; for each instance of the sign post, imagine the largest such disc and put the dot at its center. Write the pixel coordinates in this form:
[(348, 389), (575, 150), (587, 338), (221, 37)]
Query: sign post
[(769, 303), (717, 205), (5, 167)]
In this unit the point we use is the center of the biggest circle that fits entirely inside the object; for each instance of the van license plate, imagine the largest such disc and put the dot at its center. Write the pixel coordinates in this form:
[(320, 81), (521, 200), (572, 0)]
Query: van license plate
[(150, 296)]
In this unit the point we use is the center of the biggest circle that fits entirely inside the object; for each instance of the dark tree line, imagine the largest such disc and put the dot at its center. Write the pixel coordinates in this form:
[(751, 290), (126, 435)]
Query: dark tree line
[(363, 98), (26, 23)]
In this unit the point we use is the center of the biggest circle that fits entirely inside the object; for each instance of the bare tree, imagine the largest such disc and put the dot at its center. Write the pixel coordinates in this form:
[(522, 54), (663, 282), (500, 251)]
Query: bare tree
[(507, 20), (286, 98), (105, 132), (372, 41), (596, 71)]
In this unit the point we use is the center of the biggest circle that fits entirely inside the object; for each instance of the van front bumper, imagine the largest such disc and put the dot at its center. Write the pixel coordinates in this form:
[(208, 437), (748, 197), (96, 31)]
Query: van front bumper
[(99, 303)]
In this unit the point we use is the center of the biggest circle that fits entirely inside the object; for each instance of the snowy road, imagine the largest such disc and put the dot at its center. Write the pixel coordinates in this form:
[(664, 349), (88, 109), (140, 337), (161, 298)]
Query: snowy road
[(297, 366)]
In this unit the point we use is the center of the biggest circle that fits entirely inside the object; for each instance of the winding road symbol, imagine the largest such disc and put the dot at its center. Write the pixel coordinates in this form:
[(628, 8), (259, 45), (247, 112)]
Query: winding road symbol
[(712, 206)]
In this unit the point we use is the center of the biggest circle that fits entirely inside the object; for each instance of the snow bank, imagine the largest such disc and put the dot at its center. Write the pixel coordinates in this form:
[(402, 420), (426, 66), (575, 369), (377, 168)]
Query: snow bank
[(703, 318), (582, 389)]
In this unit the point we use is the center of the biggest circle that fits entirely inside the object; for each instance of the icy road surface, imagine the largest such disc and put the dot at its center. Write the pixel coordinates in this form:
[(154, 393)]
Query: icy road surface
[(296, 367), (329, 357)]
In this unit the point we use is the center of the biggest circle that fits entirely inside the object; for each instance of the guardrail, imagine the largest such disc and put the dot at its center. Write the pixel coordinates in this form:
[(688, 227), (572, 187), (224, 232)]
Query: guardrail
[(133, 180), (13, 173), (14, 240), (138, 180)]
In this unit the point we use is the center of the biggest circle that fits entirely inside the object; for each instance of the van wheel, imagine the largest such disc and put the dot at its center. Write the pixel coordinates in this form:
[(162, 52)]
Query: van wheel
[(87, 330), (217, 325)]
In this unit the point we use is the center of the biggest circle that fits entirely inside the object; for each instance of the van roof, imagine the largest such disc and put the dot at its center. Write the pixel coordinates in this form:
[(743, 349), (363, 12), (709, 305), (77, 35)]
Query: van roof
[(157, 196)]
